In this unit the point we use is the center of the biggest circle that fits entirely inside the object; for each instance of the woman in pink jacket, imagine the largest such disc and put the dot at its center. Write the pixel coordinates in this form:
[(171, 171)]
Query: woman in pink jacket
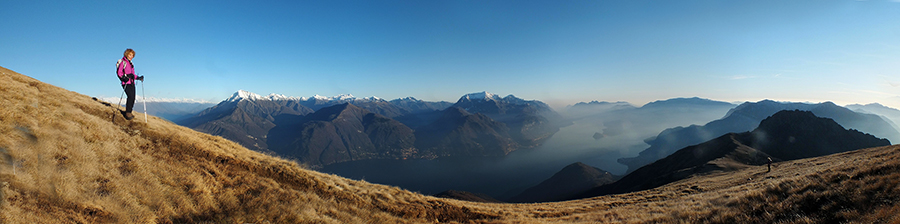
[(125, 70)]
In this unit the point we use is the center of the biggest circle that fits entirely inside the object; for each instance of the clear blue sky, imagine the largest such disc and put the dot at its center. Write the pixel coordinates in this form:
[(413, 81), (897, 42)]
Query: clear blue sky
[(560, 52)]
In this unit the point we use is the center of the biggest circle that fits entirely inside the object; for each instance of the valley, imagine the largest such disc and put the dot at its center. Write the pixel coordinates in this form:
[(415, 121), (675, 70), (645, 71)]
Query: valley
[(442, 146)]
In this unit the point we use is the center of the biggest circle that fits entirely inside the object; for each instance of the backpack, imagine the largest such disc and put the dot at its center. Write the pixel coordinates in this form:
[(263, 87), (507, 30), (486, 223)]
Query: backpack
[(124, 77)]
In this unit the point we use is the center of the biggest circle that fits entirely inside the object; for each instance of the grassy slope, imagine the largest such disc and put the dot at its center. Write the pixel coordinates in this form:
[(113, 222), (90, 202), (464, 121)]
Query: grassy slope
[(65, 158), (69, 158)]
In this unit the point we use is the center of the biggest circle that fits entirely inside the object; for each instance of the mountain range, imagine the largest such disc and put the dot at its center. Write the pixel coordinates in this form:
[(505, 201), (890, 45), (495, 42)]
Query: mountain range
[(247, 117), (416, 106), (584, 109), (340, 133), (746, 117), (786, 135), (246, 122), (460, 133), (374, 104), (889, 114), (321, 131), (602, 132), (530, 122), (613, 119), (457, 132)]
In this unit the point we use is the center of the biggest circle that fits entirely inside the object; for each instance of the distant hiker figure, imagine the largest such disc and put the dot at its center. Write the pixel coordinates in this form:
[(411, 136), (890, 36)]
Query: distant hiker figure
[(125, 70), (770, 164)]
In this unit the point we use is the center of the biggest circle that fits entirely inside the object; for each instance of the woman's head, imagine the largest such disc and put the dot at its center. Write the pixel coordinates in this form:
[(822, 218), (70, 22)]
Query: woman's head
[(129, 53)]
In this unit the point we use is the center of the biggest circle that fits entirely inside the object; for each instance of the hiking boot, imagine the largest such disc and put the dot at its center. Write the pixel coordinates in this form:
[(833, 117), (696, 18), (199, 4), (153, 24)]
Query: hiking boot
[(128, 116)]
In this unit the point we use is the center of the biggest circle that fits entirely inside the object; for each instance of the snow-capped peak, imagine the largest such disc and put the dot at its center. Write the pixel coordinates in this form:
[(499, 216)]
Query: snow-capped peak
[(344, 97), (244, 94), (481, 96), (273, 97), (408, 98), (320, 97), (513, 99)]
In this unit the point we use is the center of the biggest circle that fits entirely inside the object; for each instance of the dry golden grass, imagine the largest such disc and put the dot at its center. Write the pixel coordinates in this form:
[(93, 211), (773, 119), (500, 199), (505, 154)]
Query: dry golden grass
[(68, 158), (65, 158)]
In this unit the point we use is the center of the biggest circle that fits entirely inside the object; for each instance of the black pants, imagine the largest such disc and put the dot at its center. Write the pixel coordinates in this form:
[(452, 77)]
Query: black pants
[(129, 90)]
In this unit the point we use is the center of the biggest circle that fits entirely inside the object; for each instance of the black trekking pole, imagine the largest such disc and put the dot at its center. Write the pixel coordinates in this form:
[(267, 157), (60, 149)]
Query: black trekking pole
[(119, 104), (120, 98)]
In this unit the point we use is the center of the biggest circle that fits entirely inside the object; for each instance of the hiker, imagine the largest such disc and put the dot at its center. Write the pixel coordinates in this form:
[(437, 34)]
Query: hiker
[(125, 70), (770, 164)]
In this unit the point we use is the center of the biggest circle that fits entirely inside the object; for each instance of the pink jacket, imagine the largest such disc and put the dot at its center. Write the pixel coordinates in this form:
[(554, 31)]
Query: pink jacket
[(125, 68)]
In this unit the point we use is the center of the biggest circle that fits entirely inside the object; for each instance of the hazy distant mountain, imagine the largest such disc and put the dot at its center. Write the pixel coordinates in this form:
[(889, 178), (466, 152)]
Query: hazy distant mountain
[(414, 106), (174, 111), (420, 112), (460, 133), (373, 104), (685, 102), (786, 135), (170, 109), (341, 133), (890, 114), (596, 130), (746, 117), (244, 118), (582, 109), (671, 111), (530, 122), (567, 183)]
